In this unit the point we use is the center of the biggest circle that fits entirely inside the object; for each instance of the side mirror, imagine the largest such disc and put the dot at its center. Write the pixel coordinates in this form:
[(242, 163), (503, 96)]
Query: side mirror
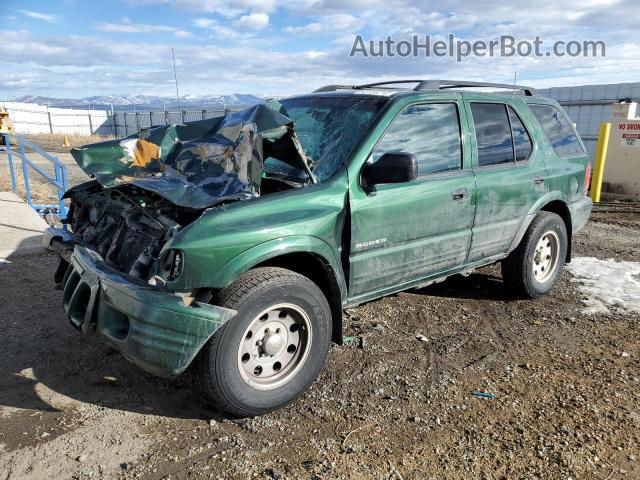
[(392, 167)]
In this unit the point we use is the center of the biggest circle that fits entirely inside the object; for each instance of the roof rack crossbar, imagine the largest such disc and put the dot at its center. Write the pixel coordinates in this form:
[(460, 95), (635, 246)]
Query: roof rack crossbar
[(333, 88), (431, 85), (390, 82), (445, 84)]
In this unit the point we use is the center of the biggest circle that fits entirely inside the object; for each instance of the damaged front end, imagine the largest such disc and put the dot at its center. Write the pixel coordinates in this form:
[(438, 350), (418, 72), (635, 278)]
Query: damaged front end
[(112, 269), (116, 259), (126, 226)]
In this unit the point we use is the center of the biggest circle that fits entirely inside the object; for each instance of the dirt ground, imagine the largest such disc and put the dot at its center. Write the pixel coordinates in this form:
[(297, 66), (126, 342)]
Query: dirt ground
[(566, 386)]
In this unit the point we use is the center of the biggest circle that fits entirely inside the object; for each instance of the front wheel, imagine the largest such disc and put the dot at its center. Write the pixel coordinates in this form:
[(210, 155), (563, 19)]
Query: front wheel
[(273, 349), (533, 268)]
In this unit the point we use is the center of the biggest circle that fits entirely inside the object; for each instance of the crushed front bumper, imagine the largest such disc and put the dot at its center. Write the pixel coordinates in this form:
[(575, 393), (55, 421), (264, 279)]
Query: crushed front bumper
[(151, 327)]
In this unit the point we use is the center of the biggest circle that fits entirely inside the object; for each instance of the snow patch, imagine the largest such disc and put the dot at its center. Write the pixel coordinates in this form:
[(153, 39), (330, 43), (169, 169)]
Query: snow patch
[(607, 284)]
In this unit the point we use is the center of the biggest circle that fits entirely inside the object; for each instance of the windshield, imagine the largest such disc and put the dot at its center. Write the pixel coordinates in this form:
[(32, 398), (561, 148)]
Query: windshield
[(328, 129)]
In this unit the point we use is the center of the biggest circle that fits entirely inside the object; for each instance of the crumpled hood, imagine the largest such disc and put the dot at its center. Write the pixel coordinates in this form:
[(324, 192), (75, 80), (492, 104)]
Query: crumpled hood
[(196, 164)]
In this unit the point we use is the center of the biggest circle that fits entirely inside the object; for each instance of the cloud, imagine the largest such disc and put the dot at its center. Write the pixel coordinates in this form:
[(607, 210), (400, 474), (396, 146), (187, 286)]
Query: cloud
[(220, 31), (335, 23), (208, 6), (241, 47), (254, 21), (127, 26), (89, 64), (231, 8), (46, 17), (309, 29)]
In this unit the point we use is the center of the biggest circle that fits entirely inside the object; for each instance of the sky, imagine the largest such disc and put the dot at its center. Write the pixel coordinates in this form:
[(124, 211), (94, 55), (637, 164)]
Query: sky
[(74, 48)]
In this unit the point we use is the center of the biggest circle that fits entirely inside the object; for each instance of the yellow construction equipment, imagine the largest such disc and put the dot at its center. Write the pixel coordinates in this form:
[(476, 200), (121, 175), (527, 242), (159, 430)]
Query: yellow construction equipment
[(66, 143), (5, 124), (601, 159)]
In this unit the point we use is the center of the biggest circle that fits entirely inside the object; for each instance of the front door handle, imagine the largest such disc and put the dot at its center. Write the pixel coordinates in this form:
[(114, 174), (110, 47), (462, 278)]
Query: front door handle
[(538, 180), (459, 194)]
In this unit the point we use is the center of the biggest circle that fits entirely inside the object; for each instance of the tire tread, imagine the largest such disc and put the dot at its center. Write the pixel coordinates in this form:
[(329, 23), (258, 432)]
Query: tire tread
[(515, 268), (246, 285)]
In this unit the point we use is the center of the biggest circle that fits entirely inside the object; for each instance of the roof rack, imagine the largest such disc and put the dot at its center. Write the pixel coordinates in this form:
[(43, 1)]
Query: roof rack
[(432, 85)]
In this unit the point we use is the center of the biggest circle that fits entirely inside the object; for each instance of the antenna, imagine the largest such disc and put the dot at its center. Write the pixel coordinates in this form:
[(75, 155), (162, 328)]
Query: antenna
[(175, 76), (515, 80)]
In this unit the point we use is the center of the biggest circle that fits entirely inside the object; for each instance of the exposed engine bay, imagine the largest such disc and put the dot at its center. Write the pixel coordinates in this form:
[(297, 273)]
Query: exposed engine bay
[(128, 226)]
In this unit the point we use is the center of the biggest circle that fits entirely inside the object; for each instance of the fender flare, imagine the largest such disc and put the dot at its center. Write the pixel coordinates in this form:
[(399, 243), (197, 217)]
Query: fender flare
[(533, 211), (277, 247)]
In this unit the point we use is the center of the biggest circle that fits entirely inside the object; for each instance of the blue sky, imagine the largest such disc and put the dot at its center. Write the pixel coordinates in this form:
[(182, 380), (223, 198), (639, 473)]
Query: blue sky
[(73, 48)]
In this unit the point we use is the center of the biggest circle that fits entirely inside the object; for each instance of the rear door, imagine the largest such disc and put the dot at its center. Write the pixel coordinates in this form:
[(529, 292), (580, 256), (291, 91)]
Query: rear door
[(407, 231), (509, 170)]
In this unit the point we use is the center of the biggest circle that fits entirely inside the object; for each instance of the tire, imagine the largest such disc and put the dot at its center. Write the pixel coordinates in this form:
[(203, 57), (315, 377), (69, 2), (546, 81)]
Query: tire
[(239, 375), (526, 271)]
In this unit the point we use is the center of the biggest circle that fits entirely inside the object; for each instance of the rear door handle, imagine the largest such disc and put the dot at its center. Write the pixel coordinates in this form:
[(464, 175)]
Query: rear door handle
[(538, 180), (459, 194)]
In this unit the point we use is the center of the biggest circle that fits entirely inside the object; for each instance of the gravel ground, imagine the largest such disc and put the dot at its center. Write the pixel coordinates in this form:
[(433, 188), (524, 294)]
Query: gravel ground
[(566, 386)]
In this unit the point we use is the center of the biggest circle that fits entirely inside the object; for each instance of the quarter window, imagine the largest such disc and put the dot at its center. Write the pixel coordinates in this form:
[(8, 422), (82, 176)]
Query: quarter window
[(559, 131), (429, 131), (521, 140)]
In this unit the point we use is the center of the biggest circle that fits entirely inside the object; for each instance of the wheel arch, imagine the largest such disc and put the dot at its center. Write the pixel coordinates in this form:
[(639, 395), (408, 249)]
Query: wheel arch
[(309, 256), (319, 271), (553, 203), (560, 208)]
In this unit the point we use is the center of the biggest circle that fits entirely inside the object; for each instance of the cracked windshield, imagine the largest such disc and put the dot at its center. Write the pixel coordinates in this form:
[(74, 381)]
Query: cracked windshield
[(328, 128)]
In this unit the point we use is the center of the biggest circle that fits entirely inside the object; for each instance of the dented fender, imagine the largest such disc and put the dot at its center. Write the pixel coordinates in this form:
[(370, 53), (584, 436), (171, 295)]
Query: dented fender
[(282, 246)]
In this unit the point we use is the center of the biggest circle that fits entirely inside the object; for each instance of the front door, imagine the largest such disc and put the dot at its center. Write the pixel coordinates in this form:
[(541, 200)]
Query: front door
[(404, 232)]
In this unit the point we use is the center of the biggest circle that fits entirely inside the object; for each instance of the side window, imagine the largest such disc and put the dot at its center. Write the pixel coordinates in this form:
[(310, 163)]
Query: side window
[(429, 131), (493, 133), (559, 131), (521, 140)]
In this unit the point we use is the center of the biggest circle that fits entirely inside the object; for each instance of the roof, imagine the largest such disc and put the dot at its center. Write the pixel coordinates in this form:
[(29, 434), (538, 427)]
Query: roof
[(390, 87)]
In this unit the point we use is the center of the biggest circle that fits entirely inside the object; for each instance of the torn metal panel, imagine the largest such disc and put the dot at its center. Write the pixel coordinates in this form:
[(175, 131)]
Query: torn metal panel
[(196, 164), (155, 330)]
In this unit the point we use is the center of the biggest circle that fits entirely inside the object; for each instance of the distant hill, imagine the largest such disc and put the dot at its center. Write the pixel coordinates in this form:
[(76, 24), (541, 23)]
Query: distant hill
[(144, 102)]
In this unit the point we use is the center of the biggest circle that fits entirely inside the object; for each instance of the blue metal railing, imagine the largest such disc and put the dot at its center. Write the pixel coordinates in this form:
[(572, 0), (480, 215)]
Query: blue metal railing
[(59, 181)]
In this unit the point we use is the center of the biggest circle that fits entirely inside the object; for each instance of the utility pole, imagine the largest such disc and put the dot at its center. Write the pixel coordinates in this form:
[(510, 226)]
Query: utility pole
[(175, 76)]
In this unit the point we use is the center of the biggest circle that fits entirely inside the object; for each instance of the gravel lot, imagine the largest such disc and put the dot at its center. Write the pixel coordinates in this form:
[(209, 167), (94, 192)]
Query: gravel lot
[(387, 406)]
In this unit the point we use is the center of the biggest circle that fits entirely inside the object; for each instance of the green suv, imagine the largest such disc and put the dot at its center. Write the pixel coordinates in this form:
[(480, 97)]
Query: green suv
[(232, 245)]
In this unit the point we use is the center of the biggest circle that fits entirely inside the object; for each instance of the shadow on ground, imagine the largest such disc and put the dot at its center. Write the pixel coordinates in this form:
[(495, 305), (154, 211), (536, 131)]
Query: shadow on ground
[(47, 364), (485, 285)]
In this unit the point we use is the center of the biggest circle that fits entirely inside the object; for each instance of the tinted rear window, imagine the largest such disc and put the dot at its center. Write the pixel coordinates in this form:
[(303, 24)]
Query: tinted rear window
[(559, 130)]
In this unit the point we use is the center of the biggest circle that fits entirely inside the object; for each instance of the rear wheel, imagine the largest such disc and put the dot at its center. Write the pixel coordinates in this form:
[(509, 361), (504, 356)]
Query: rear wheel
[(273, 349), (533, 268)]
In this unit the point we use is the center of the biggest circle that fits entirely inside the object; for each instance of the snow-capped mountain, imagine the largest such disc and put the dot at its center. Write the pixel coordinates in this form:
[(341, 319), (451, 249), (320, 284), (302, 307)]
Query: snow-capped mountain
[(142, 102)]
